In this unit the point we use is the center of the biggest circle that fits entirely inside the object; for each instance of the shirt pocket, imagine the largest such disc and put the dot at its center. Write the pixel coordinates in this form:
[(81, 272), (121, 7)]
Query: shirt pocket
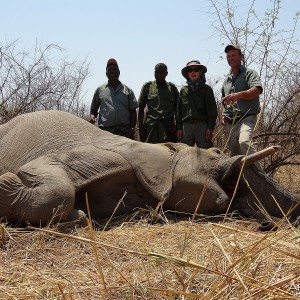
[(153, 100)]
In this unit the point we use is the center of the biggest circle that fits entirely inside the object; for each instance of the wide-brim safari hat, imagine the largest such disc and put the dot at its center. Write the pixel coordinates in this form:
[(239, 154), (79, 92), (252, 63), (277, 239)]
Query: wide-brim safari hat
[(190, 64)]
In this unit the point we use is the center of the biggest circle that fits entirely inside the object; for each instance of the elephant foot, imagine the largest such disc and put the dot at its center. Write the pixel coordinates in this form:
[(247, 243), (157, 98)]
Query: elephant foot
[(267, 226)]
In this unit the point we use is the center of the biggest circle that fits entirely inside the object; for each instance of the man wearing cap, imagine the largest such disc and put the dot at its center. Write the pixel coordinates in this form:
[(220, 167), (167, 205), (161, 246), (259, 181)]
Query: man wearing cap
[(240, 92), (161, 98), (197, 109), (116, 103)]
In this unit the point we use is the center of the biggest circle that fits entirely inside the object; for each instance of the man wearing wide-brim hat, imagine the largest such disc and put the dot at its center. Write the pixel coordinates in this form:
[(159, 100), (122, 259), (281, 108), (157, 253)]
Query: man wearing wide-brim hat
[(240, 92), (196, 109)]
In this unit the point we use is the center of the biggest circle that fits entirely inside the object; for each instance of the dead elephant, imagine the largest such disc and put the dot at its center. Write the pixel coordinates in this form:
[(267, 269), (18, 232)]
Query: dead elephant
[(50, 159)]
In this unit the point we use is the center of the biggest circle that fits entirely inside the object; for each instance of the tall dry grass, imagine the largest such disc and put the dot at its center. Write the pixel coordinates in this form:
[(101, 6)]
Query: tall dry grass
[(203, 259)]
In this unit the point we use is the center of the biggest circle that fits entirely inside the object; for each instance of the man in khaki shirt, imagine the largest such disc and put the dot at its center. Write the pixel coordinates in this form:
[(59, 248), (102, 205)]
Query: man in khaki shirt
[(116, 104), (240, 92)]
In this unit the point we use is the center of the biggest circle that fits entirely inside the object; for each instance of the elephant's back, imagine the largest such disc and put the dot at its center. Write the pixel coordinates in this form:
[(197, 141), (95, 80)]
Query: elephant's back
[(32, 135)]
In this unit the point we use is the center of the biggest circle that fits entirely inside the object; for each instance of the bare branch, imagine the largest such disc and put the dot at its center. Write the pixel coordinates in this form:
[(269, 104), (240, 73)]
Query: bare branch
[(39, 78)]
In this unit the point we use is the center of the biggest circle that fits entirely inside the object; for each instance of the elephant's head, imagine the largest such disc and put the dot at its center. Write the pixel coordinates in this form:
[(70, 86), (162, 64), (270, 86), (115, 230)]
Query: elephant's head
[(205, 179)]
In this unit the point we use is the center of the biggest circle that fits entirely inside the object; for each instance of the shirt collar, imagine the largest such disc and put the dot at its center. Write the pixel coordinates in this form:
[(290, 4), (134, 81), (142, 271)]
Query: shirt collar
[(107, 84), (241, 68), (163, 84)]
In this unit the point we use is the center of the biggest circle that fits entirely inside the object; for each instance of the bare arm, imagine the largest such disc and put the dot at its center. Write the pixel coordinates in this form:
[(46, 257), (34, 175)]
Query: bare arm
[(221, 117), (247, 95)]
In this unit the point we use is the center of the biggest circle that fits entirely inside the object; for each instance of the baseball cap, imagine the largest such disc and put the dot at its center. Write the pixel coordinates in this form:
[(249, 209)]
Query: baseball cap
[(112, 61), (232, 47)]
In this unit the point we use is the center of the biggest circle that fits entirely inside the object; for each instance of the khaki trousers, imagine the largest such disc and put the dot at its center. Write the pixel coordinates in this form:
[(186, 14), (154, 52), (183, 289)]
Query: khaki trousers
[(240, 135), (193, 132)]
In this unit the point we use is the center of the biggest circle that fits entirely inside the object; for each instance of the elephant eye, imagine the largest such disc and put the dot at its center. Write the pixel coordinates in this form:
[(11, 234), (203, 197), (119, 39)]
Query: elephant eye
[(216, 150)]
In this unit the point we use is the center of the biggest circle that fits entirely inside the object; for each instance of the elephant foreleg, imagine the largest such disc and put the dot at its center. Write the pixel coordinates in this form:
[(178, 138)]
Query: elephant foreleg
[(41, 192)]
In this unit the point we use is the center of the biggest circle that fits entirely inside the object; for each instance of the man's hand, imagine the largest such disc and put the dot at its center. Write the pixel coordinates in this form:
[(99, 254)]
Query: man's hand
[(230, 99), (179, 135), (92, 119), (142, 134), (209, 134), (130, 133), (249, 94)]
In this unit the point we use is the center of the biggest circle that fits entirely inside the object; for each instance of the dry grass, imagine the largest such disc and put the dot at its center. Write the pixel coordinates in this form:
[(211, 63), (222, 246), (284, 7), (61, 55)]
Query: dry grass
[(183, 260), (289, 177), (204, 259)]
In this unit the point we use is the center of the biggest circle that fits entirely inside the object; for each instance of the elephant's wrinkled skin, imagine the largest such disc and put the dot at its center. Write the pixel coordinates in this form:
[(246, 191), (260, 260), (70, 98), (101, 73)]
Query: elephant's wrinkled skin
[(50, 159)]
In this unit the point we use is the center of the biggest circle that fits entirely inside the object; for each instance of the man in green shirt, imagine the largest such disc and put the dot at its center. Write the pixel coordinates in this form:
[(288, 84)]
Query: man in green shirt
[(240, 92), (160, 97), (197, 109)]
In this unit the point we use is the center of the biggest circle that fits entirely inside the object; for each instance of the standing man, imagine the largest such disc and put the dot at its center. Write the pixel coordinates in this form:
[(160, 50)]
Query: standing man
[(197, 109), (116, 104), (240, 93), (161, 98)]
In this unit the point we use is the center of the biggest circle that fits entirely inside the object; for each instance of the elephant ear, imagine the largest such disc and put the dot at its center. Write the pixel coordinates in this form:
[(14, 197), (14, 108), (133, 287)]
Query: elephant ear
[(152, 164), (154, 167)]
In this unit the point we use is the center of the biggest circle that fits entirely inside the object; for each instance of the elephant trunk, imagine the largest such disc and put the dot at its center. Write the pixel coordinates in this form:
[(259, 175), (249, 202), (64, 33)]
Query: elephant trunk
[(256, 191), (261, 193), (229, 169)]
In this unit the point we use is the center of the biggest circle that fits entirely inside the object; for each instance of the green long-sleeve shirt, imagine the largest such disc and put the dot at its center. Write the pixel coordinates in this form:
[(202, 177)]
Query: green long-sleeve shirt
[(161, 100), (197, 105)]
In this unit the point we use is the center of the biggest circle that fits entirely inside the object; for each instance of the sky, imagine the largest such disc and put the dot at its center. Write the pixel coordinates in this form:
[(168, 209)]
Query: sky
[(137, 33)]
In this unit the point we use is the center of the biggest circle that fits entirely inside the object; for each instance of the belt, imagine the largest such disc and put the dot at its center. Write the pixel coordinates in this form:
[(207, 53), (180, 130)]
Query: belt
[(110, 127), (192, 121), (235, 120)]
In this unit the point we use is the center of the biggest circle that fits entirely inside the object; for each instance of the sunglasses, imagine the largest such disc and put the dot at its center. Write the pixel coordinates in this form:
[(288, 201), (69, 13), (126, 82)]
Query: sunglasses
[(193, 70)]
